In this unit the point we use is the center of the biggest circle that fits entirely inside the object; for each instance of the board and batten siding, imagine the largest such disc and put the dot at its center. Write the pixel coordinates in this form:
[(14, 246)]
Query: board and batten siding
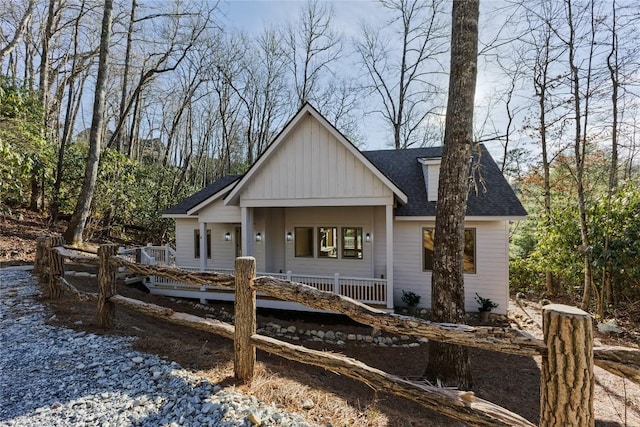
[(222, 252), (311, 166), (491, 279)]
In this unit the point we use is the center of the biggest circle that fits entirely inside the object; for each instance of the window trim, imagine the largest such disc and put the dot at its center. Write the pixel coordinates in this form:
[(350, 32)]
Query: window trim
[(335, 238), (295, 242), (359, 249), (475, 249), (196, 244)]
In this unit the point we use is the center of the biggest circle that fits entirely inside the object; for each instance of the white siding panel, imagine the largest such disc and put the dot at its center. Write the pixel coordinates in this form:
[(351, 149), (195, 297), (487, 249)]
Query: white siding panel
[(222, 252), (184, 242), (312, 164), (218, 212), (491, 279), (433, 174)]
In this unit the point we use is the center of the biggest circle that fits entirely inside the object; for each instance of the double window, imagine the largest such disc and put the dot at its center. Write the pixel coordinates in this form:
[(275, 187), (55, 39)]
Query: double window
[(324, 242), (196, 244), (469, 258)]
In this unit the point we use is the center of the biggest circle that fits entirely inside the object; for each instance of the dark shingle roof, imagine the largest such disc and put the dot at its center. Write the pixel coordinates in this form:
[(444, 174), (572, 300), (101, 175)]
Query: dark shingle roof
[(202, 195), (494, 198)]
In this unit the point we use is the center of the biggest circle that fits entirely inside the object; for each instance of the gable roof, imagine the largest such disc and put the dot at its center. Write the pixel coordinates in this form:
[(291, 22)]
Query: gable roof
[(494, 196), (201, 196), (400, 170), (234, 194)]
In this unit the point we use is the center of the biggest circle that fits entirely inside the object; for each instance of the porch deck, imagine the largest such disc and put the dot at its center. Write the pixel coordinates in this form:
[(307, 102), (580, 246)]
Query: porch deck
[(370, 291)]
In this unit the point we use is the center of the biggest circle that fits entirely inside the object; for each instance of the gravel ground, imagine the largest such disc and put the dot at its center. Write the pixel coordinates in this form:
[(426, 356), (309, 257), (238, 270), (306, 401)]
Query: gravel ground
[(52, 376)]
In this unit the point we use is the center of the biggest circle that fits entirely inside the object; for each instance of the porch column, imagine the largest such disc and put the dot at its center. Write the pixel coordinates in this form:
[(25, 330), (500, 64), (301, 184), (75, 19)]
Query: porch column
[(203, 246), (248, 238), (389, 233)]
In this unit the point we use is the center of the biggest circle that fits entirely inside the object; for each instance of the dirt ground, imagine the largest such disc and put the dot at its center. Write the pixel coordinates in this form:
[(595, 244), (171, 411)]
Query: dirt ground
[(509, 381)]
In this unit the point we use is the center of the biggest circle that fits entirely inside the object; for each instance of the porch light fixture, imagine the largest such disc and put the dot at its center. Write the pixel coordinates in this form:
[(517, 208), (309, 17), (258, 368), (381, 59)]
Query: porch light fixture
[(227, 237), (258, 237), (367, 238), (289, 236)]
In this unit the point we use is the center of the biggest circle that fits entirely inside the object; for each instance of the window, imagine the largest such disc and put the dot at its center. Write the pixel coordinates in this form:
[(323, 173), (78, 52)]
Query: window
[(304, 241), (352, 242), (327, 242), (196, 243), (428, 235)]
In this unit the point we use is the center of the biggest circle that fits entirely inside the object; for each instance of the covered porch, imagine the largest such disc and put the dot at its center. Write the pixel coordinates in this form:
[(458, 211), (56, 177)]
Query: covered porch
[(365, 288)]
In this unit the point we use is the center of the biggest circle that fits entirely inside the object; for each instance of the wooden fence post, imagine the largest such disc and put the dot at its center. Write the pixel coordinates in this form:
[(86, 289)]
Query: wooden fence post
[(567, 380), (245, 319), (55, 266), (40, 256), (106, 285)]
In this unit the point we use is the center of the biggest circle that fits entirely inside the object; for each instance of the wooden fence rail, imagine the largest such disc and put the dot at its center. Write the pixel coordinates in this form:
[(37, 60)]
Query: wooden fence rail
[(621, 361), (568, 337)]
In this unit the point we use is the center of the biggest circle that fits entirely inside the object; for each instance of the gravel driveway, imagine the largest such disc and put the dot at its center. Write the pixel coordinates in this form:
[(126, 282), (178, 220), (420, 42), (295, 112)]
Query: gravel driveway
[(52, 376)]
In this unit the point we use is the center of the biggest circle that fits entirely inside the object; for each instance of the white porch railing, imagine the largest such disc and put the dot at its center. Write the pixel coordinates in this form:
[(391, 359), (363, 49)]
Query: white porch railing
[(365, 290)]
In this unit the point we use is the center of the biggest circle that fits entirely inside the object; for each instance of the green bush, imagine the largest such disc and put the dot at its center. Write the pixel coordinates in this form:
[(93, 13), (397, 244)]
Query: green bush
[(525, 276)]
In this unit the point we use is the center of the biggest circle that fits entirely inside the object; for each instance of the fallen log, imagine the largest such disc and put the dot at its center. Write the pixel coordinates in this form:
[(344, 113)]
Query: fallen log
[(200, 278), (72, 256), (460, 405), (207, 325), (621, 361), (506, 340)]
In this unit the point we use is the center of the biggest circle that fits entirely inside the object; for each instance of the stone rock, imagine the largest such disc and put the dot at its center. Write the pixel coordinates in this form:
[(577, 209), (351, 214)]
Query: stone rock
[(254, 419), (307, 404), (609, 327)]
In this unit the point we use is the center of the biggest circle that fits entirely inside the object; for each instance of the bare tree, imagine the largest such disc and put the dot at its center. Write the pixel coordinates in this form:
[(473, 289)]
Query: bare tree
[(543, 26), (448, 363), (9, 42), (406, 86), (78, 73), (581, 98), (312, 47), (75, 229)]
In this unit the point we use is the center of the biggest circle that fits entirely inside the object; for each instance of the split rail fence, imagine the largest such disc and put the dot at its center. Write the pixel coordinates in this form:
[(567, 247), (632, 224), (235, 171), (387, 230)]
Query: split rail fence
[(567, 351)]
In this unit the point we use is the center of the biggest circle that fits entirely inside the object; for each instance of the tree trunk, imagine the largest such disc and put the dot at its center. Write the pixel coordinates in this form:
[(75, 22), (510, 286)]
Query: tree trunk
[(448, 363), (567, 380), (245, 319), (106, 286), (74, 231)]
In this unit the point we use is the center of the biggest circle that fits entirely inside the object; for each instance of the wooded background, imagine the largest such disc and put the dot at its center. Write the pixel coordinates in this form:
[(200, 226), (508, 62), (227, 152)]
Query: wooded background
[(189, 99)]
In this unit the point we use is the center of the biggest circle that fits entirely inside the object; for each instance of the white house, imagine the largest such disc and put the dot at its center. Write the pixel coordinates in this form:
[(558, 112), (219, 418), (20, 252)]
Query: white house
[(316, 209)]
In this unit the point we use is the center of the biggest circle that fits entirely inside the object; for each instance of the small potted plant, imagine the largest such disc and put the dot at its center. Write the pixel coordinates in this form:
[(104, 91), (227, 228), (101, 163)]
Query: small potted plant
[(486, 305), (412, 300)]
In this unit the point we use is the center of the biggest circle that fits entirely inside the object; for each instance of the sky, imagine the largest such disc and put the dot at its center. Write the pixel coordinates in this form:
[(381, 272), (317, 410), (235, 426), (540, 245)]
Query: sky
[(253, 15)]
